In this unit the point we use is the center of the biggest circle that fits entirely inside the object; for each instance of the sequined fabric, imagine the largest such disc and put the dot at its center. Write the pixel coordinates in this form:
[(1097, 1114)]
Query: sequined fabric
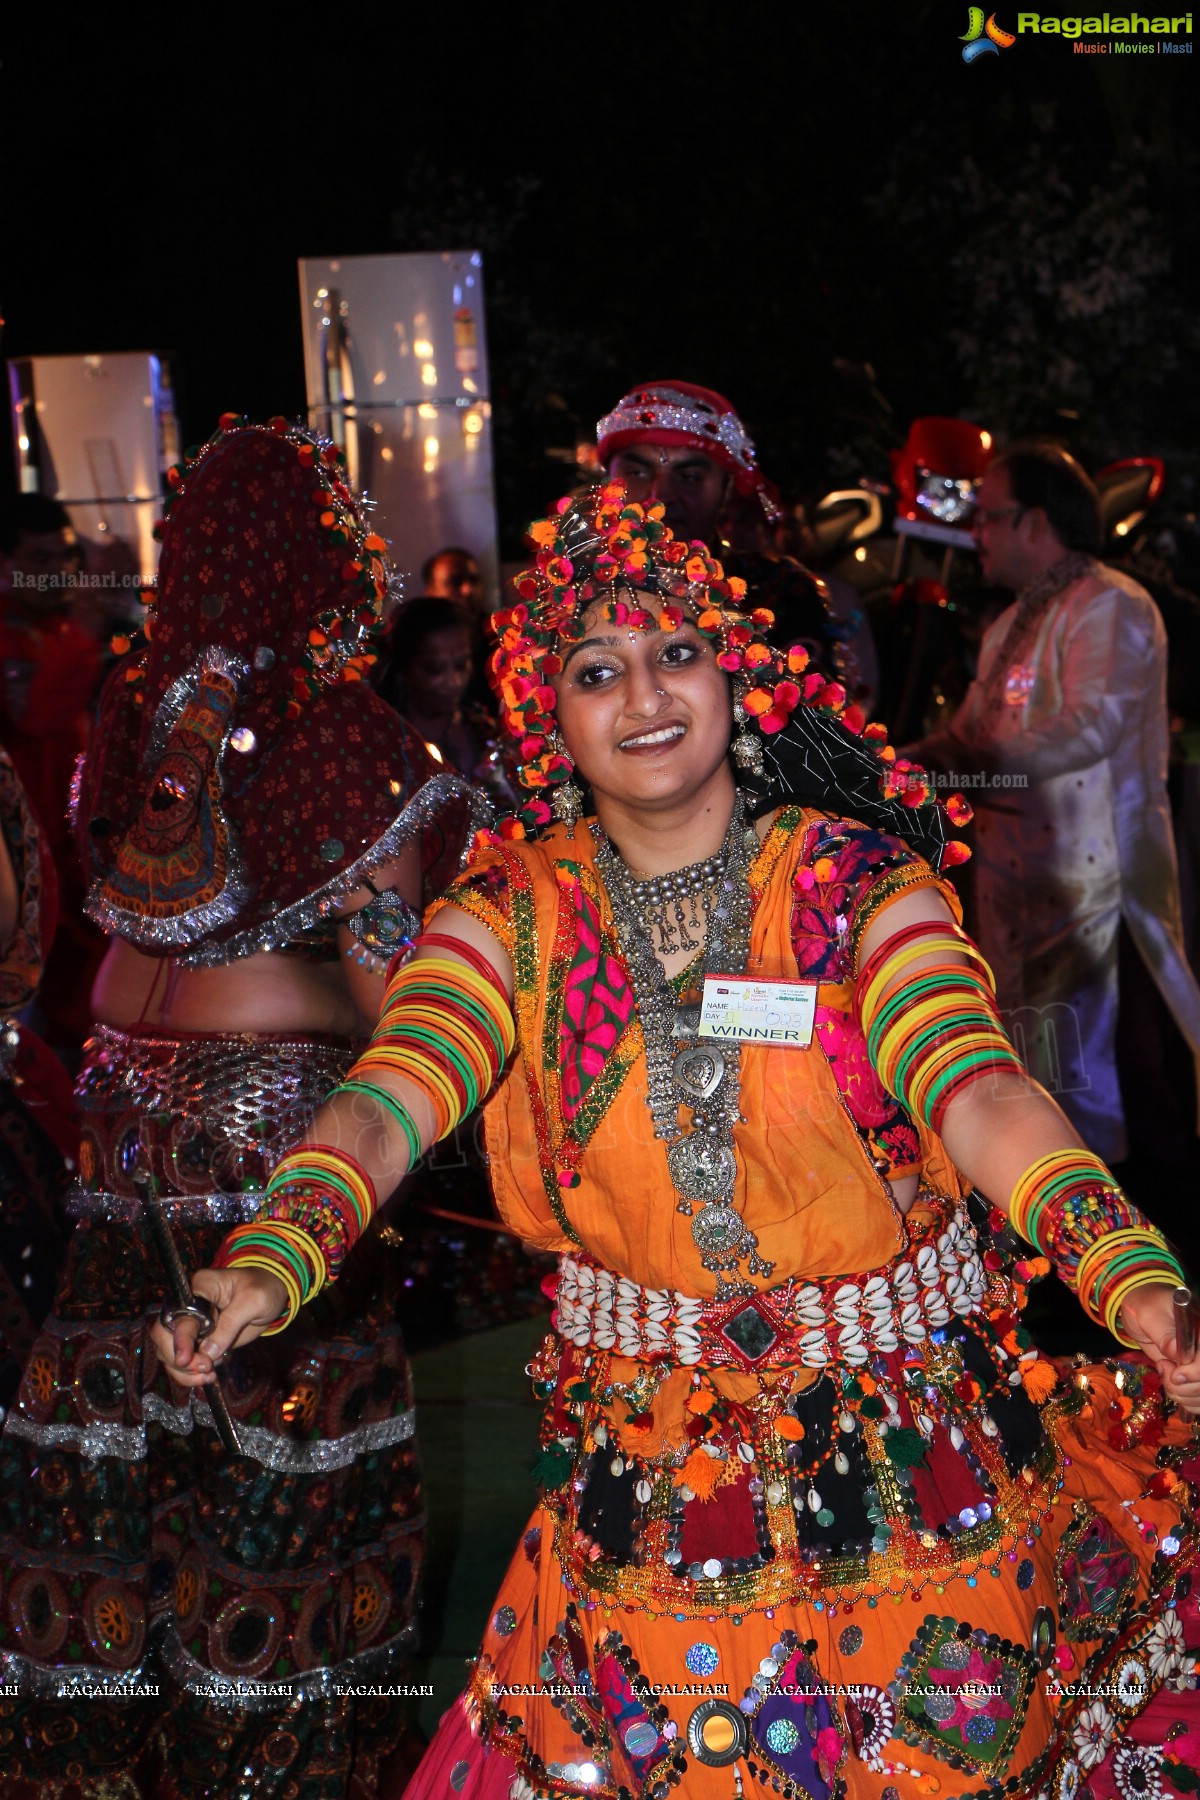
[(232, 1595), (215, 813), (34, 1096), (212, 1113)]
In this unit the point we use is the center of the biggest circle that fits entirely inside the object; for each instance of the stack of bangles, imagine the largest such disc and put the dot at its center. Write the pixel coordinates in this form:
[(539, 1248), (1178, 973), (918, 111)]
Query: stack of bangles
[(932, 1033), (447, 1028), (1102, 1247)]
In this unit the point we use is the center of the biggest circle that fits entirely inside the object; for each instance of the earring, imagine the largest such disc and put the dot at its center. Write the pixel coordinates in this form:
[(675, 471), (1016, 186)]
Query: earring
[(566, 803), (747, 746)]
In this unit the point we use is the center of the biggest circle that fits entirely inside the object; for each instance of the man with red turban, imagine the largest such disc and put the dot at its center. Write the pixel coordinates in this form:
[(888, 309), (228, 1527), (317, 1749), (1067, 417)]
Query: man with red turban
[(686, 446)]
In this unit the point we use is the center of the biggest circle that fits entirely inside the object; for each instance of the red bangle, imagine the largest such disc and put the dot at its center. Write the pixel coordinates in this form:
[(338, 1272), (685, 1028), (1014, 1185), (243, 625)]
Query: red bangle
[(923, 928), (469, 954)]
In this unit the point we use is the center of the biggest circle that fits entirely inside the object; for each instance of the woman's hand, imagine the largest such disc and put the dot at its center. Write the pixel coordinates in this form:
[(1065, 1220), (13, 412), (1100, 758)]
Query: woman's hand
[(246, 1301), (1148, 1314)]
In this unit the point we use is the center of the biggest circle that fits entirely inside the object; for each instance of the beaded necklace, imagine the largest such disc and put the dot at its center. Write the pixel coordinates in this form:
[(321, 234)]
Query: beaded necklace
[(659, 900)]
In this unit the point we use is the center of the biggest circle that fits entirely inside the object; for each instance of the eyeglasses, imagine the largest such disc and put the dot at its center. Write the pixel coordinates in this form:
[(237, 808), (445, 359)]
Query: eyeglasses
[(987, 515)]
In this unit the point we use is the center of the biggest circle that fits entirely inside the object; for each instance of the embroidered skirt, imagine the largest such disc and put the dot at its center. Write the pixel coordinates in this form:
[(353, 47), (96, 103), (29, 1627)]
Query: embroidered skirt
[(926, 1571), (179, 1621)]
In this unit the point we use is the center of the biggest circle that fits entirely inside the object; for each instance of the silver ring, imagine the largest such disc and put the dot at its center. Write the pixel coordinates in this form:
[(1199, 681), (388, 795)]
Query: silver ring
[(171, 1312)]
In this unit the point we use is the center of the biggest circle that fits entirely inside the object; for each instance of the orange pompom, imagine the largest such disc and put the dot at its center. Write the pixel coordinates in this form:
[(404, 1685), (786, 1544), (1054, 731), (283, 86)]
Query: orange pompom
[(637, 1429), (789, 1428)]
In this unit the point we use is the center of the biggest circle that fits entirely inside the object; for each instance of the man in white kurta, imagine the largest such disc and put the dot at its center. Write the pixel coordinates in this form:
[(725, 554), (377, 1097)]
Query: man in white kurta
[(1071, 699)]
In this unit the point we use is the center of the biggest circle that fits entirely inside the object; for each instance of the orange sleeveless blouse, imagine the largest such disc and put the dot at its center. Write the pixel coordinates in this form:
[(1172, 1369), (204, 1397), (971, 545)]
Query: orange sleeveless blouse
[(574, 1160)]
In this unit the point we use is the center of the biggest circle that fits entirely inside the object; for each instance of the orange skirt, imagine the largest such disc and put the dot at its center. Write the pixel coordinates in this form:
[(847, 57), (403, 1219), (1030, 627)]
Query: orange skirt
[(950, 1570)]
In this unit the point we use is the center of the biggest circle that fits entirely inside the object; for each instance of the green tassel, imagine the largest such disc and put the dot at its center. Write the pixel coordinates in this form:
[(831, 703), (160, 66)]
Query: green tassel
[(553, 1465), (580, 1392), (905, 1447)]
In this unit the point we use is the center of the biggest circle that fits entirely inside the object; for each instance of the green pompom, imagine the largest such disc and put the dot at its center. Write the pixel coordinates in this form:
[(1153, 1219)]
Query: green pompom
[(906, 1448), (552, 1466)]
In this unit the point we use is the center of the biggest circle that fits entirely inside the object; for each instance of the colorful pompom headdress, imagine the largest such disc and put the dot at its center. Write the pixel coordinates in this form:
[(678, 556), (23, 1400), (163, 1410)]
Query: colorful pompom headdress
[(600, 550)]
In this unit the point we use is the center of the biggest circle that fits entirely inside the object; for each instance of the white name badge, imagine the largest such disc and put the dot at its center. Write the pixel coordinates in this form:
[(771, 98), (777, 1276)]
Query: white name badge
[(749, 1011)]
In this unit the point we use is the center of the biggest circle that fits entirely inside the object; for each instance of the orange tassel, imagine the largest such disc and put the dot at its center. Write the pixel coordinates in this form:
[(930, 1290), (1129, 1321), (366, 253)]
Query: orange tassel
[(1039, 1379), (702, 1473)]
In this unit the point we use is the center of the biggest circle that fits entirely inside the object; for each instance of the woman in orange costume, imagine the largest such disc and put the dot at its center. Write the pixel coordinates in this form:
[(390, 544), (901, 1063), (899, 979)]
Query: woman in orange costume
[(817, 1519)]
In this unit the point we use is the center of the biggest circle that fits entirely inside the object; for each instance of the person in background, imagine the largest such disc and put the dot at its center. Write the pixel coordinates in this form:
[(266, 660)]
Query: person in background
[(50, 669), (1066, 724), (454, 574), (686, 446), (260, 832), (425, 672)]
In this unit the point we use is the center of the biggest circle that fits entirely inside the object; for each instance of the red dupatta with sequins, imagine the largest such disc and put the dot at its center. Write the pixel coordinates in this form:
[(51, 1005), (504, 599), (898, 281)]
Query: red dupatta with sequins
[(243, 777)]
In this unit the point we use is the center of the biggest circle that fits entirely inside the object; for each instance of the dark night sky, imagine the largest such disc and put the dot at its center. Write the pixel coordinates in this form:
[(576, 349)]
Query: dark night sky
[(697, 185)]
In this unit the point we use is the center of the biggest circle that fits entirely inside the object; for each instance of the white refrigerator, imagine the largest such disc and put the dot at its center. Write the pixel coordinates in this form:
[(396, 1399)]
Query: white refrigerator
[(396, 366), (98, 433)]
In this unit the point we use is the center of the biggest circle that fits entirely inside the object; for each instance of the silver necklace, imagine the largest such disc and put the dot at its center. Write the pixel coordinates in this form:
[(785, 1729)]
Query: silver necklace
[(681, 1068), (660, 902)]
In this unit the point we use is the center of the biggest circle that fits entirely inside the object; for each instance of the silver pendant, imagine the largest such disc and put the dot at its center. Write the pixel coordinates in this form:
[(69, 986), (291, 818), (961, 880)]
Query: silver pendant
[(702, 1170), (718, 1230), (698, 1070), (687, 1019)]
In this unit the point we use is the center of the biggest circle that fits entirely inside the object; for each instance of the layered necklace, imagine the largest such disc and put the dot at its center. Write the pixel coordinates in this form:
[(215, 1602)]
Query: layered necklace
[(682, 1069)]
